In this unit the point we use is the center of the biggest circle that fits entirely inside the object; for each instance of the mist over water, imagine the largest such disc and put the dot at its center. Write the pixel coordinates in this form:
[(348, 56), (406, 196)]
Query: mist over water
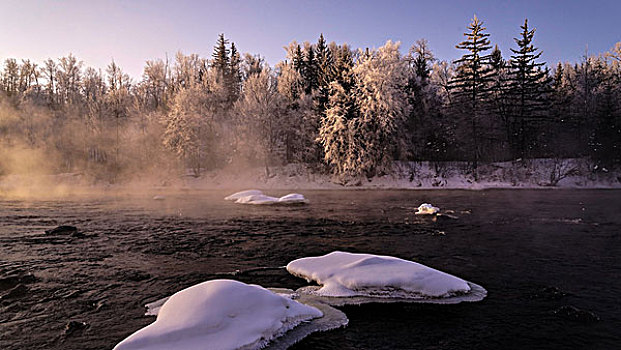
[(540, 254)]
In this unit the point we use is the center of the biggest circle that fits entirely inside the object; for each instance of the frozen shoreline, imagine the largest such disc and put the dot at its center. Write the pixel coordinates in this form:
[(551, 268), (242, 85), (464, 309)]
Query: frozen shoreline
[(571, 174)]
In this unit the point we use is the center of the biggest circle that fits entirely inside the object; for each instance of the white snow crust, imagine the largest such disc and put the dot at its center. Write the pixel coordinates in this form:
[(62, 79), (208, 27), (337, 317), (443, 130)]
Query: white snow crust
[(344, 274), (262, 199), (220, 314), (238, 195), (426, 209), (257, 199), (292, 198)]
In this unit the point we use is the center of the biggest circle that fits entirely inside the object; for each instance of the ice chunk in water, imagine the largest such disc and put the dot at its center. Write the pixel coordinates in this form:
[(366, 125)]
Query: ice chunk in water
[(220, 314)]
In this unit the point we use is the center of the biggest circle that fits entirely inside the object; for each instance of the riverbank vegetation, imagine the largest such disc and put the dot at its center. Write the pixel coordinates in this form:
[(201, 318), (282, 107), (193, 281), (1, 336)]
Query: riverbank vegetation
[(349, 112)]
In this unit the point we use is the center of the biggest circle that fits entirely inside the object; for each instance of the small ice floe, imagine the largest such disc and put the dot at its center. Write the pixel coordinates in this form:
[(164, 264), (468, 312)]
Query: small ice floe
[(158, 198), (347, 278), (426, 209), (237, 195), (293, 198), (261, 199), (257, 199), (221, 314)]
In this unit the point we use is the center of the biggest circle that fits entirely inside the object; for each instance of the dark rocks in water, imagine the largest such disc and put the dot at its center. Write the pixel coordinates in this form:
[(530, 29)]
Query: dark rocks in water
[(74, 327), (572, 313), (65, 230)]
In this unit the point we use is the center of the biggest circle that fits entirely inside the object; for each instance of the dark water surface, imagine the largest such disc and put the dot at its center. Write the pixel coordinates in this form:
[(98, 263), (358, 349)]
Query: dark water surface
[(548, 258)]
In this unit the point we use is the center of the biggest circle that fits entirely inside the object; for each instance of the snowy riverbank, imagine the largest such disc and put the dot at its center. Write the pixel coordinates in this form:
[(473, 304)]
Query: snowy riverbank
[(540, 173)]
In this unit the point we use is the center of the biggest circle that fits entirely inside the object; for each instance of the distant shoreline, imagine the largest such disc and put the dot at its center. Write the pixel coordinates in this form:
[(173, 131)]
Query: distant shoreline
[(537, 174)]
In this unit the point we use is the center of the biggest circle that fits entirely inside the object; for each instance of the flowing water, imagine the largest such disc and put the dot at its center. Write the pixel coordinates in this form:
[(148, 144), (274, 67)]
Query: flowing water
[(548, 258)]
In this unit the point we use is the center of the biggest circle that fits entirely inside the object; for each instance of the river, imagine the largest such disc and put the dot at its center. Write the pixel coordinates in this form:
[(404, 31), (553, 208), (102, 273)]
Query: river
[(548, 258)]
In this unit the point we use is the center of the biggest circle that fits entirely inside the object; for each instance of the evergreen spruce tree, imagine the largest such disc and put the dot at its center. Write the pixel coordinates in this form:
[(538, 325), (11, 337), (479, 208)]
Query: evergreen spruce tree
[(235, 74), (471, 85), (309, 69), (298, 59), (325, 75), (528, 89), (499, 90), (221, 57)]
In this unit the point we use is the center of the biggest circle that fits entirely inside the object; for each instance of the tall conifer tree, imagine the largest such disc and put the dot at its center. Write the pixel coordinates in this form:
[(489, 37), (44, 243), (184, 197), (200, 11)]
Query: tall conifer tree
[(528, 88), (471, 84)]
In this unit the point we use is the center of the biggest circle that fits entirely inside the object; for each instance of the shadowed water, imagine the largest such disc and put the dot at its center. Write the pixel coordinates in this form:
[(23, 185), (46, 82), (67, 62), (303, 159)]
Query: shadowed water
[(548, 259)]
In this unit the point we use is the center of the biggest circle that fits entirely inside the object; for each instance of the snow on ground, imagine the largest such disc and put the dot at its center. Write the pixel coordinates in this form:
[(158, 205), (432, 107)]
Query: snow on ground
[(530, 174), (220, 314), (346, 275), (536, 173)]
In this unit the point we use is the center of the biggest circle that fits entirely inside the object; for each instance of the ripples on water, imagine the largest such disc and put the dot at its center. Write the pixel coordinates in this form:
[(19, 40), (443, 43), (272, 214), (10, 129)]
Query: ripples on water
[(549, 260)]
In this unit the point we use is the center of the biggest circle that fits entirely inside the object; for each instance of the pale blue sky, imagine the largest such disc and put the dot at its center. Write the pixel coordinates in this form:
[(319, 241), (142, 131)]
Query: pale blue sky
[(134, 31)]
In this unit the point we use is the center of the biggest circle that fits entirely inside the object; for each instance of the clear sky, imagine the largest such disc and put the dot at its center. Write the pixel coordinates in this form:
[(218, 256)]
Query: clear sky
[(134, 31)]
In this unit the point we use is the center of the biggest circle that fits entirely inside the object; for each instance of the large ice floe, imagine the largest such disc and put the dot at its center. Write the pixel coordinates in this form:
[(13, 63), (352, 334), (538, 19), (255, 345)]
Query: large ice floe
[(257, 197), (347, 278), (223, 314)]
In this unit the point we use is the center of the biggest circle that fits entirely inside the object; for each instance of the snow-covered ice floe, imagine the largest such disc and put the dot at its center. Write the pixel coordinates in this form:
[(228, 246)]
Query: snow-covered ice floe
[(292, 198), (256, 197), (237, 195), (221, 314), (347, 278), (426, 209)]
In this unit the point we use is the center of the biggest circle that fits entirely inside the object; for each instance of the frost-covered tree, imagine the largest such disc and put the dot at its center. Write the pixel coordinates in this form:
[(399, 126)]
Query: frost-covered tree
[(260, 110), (155, 80), (382, 104), (68, 76), (190, 130), (335, 133)]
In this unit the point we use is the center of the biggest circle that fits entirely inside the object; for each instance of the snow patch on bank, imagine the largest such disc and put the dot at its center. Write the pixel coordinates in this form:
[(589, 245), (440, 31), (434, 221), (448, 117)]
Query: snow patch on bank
[(346, 275), (220, 314)]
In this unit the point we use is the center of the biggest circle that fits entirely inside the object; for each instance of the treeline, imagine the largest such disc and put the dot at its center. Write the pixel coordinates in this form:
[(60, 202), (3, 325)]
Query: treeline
[(349, 112)]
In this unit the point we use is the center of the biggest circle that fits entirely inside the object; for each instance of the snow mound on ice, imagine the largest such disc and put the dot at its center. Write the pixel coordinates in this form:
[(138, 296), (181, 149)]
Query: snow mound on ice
[(237, 195), (426, 209), (292, 198), (342, 274), (257, 199), (220, 314), (261, 199)]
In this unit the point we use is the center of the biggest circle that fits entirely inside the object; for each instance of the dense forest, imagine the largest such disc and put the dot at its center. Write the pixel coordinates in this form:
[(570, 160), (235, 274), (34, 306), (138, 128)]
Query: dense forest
[(350, 112)]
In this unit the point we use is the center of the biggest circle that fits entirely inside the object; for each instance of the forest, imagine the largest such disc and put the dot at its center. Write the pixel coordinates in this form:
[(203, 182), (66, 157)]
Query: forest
[(346, 111)]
